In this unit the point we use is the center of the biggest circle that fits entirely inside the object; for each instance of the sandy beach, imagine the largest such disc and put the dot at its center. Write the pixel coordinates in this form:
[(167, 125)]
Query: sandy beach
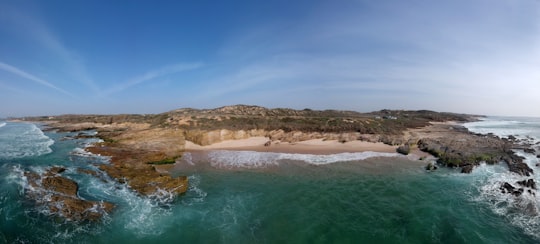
[(315, 146)]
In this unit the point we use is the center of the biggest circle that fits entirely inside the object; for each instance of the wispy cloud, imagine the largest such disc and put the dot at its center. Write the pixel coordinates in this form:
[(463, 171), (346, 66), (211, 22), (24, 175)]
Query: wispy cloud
[(463, 60), (40, 33), (151, 75), (26, 75)]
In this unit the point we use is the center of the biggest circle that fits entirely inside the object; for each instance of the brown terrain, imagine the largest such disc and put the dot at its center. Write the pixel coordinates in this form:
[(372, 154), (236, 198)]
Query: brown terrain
[(141, 146)]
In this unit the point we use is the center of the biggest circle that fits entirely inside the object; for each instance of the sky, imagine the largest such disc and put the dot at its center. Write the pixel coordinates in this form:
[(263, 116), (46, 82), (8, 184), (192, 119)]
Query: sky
[(108, 57)]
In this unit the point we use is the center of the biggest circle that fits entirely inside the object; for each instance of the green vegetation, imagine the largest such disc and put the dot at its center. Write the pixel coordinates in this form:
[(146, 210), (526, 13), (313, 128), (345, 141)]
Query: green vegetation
[(164, 161), (243, 117)]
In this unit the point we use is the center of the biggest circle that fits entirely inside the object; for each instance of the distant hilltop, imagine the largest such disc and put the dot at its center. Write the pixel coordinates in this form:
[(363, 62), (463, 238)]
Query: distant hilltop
[(249, 117)]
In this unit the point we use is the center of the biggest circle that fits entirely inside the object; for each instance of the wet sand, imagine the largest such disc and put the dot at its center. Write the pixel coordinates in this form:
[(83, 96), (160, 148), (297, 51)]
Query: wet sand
[(316, 146)]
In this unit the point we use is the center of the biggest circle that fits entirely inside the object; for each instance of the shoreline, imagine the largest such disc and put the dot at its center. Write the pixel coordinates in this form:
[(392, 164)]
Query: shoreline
[(310, 147), (314, 146)]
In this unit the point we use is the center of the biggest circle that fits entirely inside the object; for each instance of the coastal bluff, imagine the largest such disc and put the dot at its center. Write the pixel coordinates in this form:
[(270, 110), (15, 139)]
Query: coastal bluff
[(143, 147)]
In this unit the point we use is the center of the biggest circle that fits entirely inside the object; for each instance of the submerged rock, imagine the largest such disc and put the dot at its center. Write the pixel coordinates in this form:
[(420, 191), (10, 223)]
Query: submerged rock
[(431, 167), (59, 195)]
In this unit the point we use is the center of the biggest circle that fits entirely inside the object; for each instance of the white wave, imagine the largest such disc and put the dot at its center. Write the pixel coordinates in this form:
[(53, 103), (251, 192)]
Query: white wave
[(522, 211), (2, 124), (251, 160), (143, 216), (80, 152), (194, 193), (24, 140), (521, 128)]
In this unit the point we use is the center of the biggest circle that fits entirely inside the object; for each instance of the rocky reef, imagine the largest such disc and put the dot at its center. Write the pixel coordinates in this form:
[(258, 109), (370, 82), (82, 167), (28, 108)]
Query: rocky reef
[(58, 195), (135, 153), (455, 146)]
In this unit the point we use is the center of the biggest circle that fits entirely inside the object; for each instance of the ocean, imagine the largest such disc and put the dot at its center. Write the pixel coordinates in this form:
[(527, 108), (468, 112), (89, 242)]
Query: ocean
[(256, 197)]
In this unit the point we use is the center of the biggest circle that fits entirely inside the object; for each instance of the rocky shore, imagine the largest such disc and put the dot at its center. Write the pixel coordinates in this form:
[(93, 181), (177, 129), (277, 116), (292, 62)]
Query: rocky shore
[(141, 147), (58, 195)]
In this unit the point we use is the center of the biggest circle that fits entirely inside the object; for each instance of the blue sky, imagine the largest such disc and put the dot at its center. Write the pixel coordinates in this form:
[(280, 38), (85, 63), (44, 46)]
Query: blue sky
[(472, 56)]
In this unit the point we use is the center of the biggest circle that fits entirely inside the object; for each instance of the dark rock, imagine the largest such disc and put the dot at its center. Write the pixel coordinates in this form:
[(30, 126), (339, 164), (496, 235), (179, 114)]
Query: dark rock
[(515, 164), (431, 167), (528, 183), (404, 149), (268, 143), (518, 192), (507, 188), (529, 150), (467, 169)]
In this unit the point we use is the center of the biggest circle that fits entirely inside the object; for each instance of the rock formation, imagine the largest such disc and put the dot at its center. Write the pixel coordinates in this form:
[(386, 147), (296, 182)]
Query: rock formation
[(59, 195), (404, 149), (134, 150)]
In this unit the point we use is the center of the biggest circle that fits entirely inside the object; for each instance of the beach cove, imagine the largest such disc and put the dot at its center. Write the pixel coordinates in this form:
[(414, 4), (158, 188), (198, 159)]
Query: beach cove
[(244, 190)]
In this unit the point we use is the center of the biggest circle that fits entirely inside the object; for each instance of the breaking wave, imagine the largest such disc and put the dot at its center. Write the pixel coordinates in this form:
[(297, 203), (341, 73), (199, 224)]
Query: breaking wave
[(24, 140), (2, 124), (522, 210), (522, 128), (252, 160)]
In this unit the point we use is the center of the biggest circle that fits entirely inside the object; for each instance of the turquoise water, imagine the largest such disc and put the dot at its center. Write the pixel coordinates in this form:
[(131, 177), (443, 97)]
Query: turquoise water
[(283, 200)]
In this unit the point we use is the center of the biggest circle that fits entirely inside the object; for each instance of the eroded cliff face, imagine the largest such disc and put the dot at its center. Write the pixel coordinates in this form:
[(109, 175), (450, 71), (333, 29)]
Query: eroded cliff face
[(204, 138), (154, 143)]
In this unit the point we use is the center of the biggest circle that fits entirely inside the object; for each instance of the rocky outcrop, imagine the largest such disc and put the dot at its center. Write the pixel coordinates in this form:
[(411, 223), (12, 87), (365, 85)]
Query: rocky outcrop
[(515, 164), (133, 149), (458, 148), (59, 195), (404, 149), (431, 167), (508, 188), (528, 185), (146, 180), (467, 169)]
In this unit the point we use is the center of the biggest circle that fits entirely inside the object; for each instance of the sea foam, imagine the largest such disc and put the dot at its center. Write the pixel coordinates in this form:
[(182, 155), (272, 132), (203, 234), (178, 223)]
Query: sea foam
[(251, 160), (24, 140), (522, 211)]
